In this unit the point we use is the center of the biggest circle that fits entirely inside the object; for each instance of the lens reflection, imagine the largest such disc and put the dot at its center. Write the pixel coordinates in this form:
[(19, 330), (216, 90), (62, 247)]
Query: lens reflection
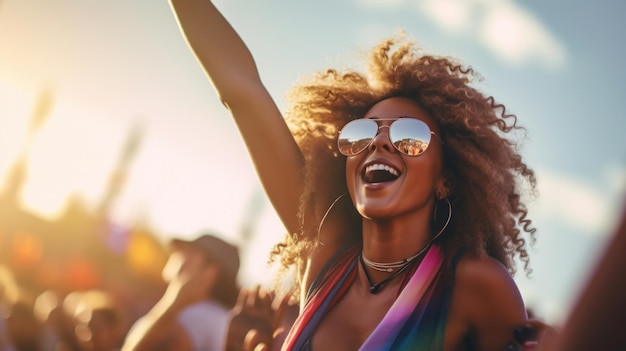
[(410, 136), (356, 136)]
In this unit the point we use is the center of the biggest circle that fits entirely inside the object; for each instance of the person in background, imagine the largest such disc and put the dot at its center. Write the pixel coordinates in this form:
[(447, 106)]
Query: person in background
[(193, 313), (57, 320), (100, 322), (25, 331)]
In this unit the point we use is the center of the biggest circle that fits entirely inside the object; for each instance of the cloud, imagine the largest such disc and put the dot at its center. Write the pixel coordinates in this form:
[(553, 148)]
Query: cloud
[(506, 29), (453, 15), (381, 3), (574, 202), (517, 36)]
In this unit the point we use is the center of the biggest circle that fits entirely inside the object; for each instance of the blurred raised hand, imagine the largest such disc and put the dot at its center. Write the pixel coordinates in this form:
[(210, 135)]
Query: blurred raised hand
[(260, 321)]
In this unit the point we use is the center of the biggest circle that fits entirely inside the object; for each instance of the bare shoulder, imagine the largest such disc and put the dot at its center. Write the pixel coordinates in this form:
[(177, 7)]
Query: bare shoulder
[(487, 288), (485, 276), (486, 304)]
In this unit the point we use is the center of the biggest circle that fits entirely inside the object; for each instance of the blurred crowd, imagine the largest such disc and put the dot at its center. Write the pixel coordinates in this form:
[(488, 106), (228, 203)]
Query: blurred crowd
[(50, 320), (199, 306), (85, 320), (73, 283)]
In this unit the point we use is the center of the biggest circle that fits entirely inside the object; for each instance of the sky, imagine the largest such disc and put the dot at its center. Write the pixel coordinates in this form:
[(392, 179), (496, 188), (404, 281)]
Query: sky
[(111, 67)]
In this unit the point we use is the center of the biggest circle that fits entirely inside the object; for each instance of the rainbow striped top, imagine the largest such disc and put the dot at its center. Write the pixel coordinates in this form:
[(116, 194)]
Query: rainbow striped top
[(416, 321)]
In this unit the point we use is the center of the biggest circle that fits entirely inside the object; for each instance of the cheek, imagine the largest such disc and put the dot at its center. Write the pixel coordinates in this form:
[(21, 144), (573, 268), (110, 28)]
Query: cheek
[(194, 263), (438, 165), (351, 173), (425, 171)]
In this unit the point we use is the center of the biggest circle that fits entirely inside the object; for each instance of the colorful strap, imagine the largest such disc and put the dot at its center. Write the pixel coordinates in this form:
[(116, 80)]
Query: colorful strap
[(388, 329), (338, 279)]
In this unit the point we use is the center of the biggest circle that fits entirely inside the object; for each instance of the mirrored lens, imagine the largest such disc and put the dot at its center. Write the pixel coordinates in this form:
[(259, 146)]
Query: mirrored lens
[(356, 136), (410, 136)]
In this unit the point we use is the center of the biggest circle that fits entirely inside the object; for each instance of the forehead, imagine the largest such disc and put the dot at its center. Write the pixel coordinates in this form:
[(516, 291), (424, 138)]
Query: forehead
[(400, 107)]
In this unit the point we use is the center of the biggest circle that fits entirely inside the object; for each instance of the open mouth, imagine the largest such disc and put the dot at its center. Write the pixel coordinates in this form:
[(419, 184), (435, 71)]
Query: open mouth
[(380, 173)]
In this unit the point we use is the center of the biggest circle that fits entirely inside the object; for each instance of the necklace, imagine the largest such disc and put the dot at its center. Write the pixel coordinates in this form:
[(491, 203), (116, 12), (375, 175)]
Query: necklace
[(375, 287), (386, 267), (390, 266)]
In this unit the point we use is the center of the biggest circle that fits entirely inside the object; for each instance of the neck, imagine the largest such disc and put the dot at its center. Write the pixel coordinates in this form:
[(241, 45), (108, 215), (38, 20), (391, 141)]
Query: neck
[(396, 240)]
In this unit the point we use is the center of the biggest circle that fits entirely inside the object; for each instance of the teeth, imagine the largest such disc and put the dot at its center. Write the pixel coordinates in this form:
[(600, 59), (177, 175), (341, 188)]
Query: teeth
[(382, 167)]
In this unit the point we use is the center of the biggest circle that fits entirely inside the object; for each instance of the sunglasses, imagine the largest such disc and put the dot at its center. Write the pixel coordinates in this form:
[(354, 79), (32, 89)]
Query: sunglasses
[(410, 136)]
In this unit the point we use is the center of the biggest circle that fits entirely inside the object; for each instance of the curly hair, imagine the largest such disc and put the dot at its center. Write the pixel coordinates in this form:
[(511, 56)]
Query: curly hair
[(485, 171)]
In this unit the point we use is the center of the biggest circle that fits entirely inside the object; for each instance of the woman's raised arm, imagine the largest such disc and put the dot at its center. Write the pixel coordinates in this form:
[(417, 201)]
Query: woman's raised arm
[(232, 70)]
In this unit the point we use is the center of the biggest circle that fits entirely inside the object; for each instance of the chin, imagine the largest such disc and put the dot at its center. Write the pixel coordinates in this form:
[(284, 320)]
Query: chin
[(375, 212)]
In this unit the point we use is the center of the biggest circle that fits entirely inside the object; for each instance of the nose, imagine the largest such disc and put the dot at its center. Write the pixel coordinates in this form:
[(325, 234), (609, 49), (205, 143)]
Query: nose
[(382, 139)]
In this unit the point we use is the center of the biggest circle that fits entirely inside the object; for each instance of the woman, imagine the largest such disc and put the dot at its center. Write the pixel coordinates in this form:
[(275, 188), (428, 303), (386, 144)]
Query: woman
[(398, 189)]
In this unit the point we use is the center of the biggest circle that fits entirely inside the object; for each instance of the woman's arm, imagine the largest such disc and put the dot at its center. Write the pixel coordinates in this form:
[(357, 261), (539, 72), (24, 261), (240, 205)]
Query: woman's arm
[(274, 152), (233, 73)]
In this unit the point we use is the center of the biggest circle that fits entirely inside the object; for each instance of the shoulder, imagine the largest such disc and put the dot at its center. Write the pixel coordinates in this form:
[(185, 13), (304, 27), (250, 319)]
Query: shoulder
[(484, 282), (329, 271), (484, 275), (333, 243), (487, 304)]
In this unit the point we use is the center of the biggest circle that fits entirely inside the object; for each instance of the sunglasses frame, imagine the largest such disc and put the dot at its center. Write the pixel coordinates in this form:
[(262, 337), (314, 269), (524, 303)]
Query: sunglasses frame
[(378, 120)]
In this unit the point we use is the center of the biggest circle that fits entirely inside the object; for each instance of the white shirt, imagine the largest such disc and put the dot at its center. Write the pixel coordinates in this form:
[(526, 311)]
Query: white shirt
[(206, 323)]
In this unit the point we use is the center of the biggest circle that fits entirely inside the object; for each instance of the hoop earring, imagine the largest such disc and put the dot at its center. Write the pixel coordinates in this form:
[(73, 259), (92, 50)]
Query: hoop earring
[(319, 229), (447, 219)]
